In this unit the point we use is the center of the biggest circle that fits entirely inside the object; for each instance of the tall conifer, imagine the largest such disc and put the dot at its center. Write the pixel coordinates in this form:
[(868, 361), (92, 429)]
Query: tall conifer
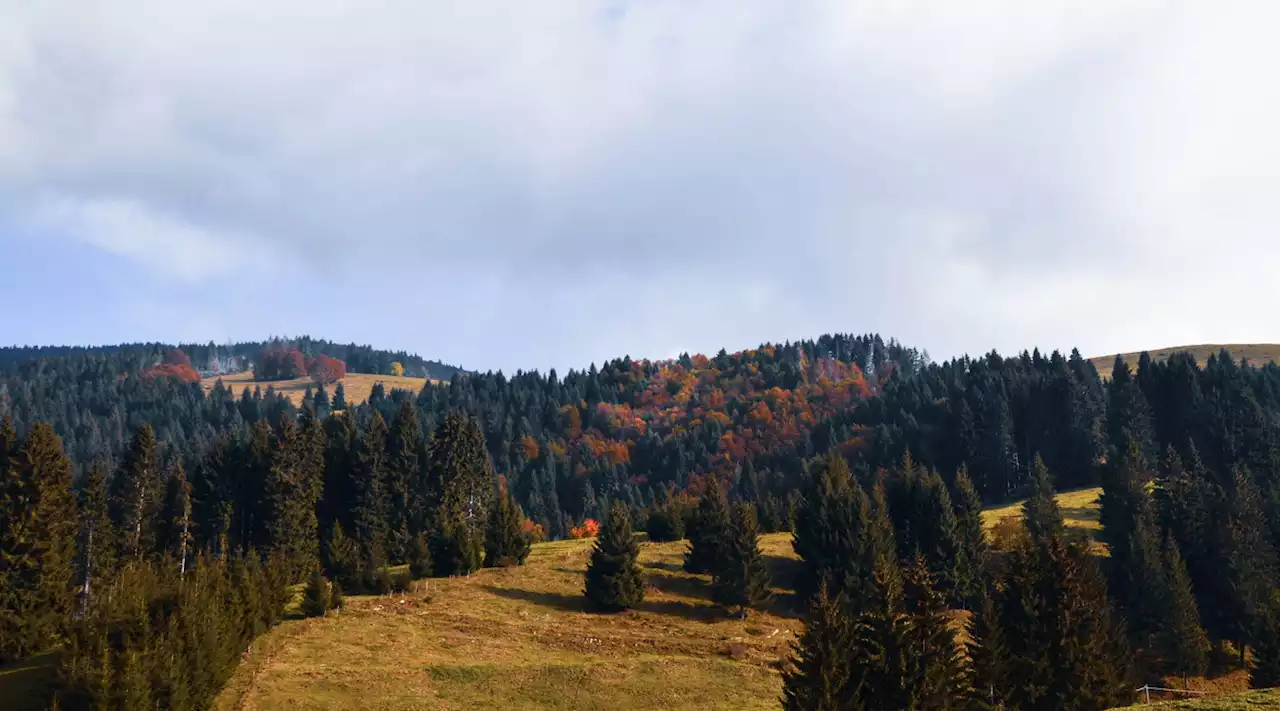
[(740, 579), (708, 530), (613, 580)]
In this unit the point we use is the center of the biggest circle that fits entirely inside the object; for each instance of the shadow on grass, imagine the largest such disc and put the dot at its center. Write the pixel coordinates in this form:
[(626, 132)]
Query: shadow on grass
[(783, 571), (686, 585), (554, 601), (695, 612), (1082, 514), (29, 683), (660, 565)]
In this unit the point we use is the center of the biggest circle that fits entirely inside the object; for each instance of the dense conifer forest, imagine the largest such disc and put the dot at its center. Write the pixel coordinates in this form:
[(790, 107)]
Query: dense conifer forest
[(149, 531)]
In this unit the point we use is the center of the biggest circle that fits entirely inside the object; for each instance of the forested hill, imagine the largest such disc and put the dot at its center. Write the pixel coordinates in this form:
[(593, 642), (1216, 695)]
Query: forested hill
[(645, 431), (209, 358)]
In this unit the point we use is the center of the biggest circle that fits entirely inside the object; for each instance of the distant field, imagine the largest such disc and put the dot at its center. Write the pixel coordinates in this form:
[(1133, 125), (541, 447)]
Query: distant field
[(1257, 353), (521, 639), (357, 385)]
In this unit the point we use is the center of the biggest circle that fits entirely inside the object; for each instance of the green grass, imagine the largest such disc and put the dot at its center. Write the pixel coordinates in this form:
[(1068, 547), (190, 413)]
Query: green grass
[(1266, 700)]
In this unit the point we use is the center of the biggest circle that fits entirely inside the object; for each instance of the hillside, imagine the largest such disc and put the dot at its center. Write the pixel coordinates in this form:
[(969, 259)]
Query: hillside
[(1266, 700), (1256, 353), (520, 638), (357, 385)]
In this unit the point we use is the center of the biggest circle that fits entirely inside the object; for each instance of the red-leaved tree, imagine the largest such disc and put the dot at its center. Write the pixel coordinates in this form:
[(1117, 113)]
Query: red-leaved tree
[(280, 364), (175, 365), (326, 370)]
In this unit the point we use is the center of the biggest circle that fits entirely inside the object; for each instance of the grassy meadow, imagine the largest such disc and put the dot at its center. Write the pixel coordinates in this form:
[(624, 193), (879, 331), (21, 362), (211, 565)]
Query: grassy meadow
[(357, 385)]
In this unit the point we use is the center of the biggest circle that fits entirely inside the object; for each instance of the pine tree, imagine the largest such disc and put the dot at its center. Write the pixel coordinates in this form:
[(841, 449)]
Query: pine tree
[(1040, 513), (456, 494), (505, 542), (833, 535), (371, 506), (404, 471), (96, 558), (740, 579), (420, 563), (1252, 561), (988, 655), (613, 581), (708, 529), (133, 495), (822, 665), (455, 550), (37, 545), (971, 558), (174, 525), (339, 398), (937, 677), (341, 556), (882, 646), (1183, 644), (317, 598), (1265, 670)]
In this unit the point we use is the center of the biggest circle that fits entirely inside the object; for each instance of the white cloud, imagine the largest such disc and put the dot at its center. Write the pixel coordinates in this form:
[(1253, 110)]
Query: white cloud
[(587, 178)]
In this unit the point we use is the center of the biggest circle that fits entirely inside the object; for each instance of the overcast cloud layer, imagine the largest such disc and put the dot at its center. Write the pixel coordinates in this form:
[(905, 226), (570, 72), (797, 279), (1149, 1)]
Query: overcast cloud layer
[(531, 184)]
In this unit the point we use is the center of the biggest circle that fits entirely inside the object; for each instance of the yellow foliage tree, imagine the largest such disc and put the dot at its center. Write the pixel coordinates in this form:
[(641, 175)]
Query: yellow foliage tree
[(397, 368)]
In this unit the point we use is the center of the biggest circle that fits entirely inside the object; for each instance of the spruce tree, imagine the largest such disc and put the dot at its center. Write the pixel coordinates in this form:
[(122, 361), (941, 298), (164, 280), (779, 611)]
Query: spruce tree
[(174, 533), (971, 558), (341, 556), (371, 506), (937, 677), (1252, 561), (505, 542), (740, 579), (1183, 644), (455, 550), (1264, 672), (613, 580), (420, 563), (822, 664), (404, 472), (456, 490), (708, 529), (988, 655), (832, 535), (882, 645), (37, 545), (133, 497), (96, 557), (317, 598), (339, 398)]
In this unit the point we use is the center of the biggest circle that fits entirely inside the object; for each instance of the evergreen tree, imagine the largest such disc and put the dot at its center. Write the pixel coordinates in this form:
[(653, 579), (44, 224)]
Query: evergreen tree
[(404, 472), (96, 557), (37, 545), (823, 662), (339, 398), (174, 526), (937, 677), (1252, 564), (1184, 646), (972, 555), (292, 494), (988, 655), (883, 676), (833, 535), (455, 550), (371, 506), (505, 542), (317, 598), (613, 581), (133, 495), (708, 530), (740, 579), (1264, 673), (457, 490), (420, 563), (341, 556)]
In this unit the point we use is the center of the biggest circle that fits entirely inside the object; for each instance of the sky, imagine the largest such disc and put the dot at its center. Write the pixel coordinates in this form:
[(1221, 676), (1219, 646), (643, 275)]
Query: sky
[(516, 185)]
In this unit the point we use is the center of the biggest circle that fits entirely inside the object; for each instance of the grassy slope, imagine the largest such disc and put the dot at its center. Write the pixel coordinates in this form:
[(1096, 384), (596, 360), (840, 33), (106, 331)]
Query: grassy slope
[(1268, 700), (1258, 353), (357, 385), (521, 639)]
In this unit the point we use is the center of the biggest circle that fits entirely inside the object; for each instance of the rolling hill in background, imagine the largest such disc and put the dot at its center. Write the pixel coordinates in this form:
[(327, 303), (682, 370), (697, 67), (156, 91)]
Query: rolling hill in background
[(1256, 353), (357, 386)]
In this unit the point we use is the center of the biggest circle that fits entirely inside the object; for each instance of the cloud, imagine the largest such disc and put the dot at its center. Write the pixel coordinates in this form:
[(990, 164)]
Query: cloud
[(530, 184)]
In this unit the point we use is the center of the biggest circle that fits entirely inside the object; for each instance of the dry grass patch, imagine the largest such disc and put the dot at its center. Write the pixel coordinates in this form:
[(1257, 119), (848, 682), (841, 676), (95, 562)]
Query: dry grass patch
[(521, 638), (1266, 700), (1256, 353), (357, 385)]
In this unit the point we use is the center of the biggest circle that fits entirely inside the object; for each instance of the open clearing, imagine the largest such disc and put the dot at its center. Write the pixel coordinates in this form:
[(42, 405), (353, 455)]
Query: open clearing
[(1266, 700), (357, 385), (521, 638), (1256, 353)]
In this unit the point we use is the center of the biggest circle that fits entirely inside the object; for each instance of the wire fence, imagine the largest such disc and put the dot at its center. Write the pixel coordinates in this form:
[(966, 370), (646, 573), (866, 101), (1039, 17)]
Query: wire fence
[(1147, 689)]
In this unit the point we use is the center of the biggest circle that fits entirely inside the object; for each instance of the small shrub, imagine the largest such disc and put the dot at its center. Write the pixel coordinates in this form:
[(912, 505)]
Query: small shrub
[(665, 525), (318, 598)]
